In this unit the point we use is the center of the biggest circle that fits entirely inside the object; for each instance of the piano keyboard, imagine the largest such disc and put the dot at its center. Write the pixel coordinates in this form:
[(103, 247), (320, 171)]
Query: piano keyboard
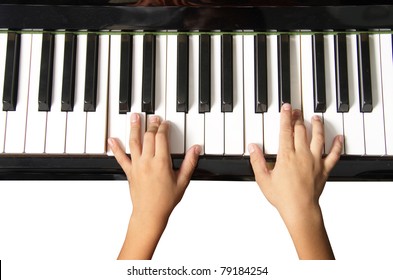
[(71, 79), (65, 93)]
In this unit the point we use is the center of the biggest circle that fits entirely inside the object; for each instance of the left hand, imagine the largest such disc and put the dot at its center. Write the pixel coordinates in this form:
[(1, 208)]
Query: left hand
[(155, 187)]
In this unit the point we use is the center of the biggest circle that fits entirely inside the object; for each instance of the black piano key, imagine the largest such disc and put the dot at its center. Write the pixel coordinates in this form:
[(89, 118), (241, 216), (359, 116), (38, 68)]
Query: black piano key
[(204, 73), (284, 70), (365, 91), (91, 73), (11, 72), (342, 74), (226, 73), (68, 88), (182, 74), (148, 73), (125, 74), (319, 74), (261, 101), (45, 87)]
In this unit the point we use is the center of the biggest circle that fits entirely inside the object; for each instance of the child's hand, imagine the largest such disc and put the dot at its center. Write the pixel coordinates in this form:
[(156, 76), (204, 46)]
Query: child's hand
[(154, 186), (297, 180)]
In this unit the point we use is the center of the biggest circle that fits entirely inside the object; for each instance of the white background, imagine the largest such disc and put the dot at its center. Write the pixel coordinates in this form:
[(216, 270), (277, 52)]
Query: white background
[(74, 230)]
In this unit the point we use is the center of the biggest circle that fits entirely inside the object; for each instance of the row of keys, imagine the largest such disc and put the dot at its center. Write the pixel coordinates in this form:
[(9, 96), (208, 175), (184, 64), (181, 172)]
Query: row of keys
[(182, 87), (229, 78)]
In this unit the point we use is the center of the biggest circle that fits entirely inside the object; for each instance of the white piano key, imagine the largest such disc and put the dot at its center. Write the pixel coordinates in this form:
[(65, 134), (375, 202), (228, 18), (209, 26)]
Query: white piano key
[(160, 90), (253, 122), (271, 120), (295, 70), (374, 127), (177, 130), (36, 121), (117, 123), (333, 121), (307, 82), (96, 141), (136, 91), (16, 120), (3, 115), (387, 86), (57, 120), (76, 120), (234, 121), (214, 120), (194, 120), (353, 120)]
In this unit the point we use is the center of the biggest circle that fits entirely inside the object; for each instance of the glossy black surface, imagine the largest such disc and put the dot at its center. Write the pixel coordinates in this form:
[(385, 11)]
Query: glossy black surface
[(284, 72), (182, 74), (68, 87), (91, 73), (46, 70), (200, 2), (148, 74), (342, 89), (125, 74), (10, 90), (280, 18), (261, 95), (204, 74), (226, 73), (365, 92), (319, 74), (208, 168)]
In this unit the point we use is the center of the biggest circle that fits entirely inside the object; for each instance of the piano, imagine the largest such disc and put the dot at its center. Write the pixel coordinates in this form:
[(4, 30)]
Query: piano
[(71, 73)]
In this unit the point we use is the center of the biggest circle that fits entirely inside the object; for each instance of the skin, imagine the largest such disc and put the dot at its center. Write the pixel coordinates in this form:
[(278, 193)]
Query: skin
[(293, 186), (296, 183), (155, 187)]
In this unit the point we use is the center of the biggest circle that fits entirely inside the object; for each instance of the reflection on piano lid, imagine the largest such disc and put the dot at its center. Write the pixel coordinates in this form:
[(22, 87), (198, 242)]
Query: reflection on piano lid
[(200, 17), (234, 3)]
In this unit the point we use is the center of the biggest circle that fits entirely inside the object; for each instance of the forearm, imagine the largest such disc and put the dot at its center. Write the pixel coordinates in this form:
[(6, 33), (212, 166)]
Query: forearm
[(308, 234), (141, 239)]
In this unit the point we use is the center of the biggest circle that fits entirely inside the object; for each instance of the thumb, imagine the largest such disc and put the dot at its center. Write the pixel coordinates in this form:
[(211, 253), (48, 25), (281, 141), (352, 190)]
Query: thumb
[(258, 163), (188, 166)]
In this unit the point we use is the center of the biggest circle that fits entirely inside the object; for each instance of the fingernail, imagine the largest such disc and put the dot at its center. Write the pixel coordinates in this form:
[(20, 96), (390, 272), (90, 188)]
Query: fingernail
[(341, 139), (111, 142), (286, 106), (316, 118), (134, 117), (153, 119), (251, 148), (197, 150)]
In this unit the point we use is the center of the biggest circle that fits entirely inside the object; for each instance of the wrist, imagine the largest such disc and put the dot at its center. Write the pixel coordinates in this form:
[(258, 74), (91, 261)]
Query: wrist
[(148, 223), (307, 230), (142, 237), (293, 214)]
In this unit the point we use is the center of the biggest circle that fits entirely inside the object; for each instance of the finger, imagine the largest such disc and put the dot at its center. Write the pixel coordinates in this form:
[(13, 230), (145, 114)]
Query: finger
[(317, 144), (258, 163), (334, 154), (300, 132), (162, 144), (121, 157), (135, 136), (286, 129), (149, 139), (188, 166)]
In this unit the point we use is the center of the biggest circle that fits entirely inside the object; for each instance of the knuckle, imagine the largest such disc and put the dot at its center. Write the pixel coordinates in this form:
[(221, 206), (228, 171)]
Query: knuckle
[(149, 135), (319, 138), (161, 136), (134, 142)]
